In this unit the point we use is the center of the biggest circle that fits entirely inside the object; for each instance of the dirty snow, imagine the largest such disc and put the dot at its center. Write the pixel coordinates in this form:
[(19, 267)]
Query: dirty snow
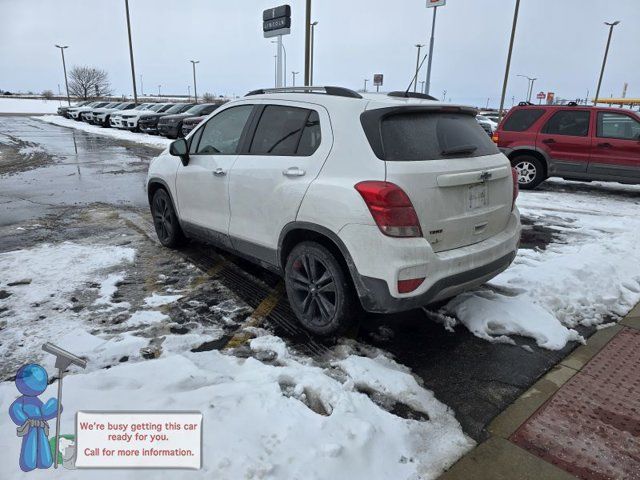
[(143, 138), (283, 416), (28, 105), (588, 274), (258, 422)]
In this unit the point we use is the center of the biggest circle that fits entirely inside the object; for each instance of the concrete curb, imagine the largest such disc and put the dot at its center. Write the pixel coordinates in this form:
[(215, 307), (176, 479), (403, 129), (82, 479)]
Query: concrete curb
[(497, 458)]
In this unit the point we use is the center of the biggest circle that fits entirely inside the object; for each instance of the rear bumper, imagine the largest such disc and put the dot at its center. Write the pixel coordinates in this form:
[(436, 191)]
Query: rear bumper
[(447, 274)]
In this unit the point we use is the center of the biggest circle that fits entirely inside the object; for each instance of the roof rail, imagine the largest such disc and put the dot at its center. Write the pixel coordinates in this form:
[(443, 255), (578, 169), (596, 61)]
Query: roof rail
[(328, 90), (423, 96), (525, 104)]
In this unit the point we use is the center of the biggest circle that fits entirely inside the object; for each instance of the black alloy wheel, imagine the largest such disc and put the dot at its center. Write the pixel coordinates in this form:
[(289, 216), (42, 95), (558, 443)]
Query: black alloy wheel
[(319, 291), (165, 220)]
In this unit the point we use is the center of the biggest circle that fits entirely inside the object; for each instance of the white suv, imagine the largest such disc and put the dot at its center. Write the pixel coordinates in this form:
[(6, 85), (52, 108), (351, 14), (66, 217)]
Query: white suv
[(385, 202)]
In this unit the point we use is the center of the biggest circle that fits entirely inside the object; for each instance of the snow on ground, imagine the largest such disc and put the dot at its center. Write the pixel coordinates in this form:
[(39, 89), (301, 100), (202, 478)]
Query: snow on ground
[(39, 284), (143, 138), (290, 420), (282, 417), (28, 105), (591, 272)]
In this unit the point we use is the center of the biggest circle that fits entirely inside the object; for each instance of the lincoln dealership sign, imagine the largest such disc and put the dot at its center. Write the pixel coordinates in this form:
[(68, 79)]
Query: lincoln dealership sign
[(276, 21)]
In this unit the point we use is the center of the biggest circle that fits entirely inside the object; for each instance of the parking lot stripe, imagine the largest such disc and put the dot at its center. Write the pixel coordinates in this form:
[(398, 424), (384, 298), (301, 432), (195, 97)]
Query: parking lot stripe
[(256, 318)]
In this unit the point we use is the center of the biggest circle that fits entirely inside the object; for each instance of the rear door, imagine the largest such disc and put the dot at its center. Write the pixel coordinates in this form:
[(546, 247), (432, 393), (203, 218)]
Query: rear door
[(459, 183), (202, 185), (289, 145), (616, 146), (565, 140)]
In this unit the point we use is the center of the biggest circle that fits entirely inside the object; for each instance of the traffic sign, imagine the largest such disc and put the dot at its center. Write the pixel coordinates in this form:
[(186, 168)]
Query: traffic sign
[(276, 21), (436, 3), (377, 80), (541, 96)]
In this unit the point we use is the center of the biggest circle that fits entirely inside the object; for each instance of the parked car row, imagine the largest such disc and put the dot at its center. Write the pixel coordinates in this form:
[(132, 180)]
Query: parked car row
[(165, 119)]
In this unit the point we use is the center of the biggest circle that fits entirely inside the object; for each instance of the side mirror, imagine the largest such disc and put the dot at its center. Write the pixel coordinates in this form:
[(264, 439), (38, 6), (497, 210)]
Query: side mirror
[(179, 148)]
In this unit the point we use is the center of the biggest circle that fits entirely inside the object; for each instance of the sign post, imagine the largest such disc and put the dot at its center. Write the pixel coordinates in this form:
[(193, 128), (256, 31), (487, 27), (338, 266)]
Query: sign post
[(377, 81), (276, 22), (432, 4), (550, 97), (540, 96)]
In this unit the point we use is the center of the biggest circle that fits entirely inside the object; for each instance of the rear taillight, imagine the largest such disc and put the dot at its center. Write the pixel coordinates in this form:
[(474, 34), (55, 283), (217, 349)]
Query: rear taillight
[(516, 189), (391, 208), (495, 137)]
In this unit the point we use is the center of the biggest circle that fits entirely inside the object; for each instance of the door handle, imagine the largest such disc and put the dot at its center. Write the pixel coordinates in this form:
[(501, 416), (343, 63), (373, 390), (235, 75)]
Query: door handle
[(218, 172), (605, 145), (293, 172), (549, 141)]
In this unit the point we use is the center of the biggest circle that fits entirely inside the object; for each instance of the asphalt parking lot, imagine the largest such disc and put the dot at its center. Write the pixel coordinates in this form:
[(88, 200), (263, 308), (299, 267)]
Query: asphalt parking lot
[(58, 184)]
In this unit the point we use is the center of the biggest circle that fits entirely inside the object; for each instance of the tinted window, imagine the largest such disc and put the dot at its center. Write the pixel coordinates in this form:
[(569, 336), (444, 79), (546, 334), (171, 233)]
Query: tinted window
[(221, 134), (310, 140), (521, 120), (430, 136), (176, 108), (568, 122), (279, 130), (616, 125)]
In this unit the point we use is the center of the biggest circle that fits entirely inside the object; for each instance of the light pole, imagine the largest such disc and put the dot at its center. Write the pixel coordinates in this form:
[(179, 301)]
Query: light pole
[(195, 87), (604, 60), (275, 71), (189, 92), (431, 42), (444, 95), (422, 82), (506, 70), (529, 86), (64, 67), (365, 84), (293, 74), (133, 70), (141, 86), (313, 37), (159, 90), (415, 77), (307, 42)]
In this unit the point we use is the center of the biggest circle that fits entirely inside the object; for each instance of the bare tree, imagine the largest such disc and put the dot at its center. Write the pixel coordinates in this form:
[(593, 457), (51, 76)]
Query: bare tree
[(208, 97), (47, 94), (86, 82)]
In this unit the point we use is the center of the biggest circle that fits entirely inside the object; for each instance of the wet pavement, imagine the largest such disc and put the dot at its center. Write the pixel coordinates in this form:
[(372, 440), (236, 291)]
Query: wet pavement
[(45, 167), (60, 184)]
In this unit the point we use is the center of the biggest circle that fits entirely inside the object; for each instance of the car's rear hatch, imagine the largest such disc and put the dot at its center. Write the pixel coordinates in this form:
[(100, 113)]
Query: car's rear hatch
[(460, 185)]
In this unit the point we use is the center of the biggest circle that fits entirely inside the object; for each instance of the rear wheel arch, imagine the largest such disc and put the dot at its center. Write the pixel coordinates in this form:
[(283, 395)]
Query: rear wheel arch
[(297, 232)]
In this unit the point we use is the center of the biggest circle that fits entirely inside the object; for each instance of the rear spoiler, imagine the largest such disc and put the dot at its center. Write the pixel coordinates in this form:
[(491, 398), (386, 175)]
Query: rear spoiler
[(371, 120)]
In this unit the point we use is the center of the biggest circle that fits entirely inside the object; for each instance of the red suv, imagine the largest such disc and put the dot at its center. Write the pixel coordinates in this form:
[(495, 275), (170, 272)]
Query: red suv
[(570, 141)]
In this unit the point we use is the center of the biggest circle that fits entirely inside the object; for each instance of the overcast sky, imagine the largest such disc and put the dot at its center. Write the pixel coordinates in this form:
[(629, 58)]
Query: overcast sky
[(559, 41)]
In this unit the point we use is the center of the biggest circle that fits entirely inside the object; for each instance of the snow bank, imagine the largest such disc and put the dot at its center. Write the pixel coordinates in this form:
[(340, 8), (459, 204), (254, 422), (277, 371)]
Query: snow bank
[(143, 138), (591, 272), (28, 105), (259, 419)]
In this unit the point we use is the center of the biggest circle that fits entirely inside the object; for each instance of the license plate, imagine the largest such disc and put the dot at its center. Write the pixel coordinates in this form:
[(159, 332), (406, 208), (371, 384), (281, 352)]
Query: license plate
[(478, 196)]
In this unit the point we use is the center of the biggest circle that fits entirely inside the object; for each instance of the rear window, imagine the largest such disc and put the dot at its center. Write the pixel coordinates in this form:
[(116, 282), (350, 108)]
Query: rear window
[(521, 120), (432, 136)]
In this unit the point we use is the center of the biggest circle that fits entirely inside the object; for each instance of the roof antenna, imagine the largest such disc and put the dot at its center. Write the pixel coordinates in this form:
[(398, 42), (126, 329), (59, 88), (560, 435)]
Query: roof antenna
[(406, 92)]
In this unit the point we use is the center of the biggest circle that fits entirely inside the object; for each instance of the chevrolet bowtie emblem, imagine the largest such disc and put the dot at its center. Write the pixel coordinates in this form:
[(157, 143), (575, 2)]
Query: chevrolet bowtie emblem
[(484, 176)]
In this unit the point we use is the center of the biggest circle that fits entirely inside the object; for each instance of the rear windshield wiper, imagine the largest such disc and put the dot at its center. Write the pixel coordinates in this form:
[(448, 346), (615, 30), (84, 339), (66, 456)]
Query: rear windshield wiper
[(459, 150)]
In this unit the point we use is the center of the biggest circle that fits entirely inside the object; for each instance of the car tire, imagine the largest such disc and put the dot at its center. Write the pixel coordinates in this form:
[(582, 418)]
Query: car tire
[(165, 220), (530, 171), (319, 290)]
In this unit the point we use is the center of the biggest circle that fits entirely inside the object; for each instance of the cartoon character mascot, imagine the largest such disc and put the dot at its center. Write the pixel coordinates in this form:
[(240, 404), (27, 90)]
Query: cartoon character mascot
[(31, 415)]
